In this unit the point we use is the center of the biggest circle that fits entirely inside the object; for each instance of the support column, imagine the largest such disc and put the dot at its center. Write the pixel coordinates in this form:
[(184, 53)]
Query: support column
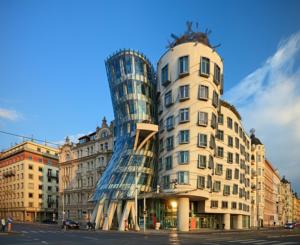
[(183, 214), (226, 221), (109, 216), (240, 221)]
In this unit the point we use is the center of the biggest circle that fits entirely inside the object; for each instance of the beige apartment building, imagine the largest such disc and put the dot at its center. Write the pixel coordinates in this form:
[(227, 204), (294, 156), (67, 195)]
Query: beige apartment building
[(81, 165), (204, 163), (271, 193), (29, 182), (257, 183), (296, 208)]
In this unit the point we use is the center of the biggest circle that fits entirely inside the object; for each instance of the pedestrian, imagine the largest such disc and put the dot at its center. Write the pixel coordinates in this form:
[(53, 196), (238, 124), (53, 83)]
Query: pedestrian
[(9, 224), (3, 224)]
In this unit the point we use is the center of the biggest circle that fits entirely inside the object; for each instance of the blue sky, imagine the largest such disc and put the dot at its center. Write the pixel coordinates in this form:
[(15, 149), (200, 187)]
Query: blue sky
[(52, 75)]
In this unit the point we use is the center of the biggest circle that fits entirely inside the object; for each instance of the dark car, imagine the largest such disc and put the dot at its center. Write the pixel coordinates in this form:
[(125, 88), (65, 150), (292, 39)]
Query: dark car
[(289, 226), (49, 221), (70, 224)]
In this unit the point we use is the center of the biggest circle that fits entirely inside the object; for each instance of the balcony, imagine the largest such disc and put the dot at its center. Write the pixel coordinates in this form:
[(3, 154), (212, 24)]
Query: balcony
[(52, 176), (9, 173)]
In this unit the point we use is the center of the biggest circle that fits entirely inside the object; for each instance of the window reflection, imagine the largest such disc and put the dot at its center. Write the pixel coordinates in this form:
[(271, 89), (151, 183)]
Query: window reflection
[(139, 65)]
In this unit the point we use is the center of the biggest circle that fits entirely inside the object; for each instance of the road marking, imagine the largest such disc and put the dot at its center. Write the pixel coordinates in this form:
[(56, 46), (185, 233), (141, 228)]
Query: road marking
[(24, 231), (44, 242), (255, 241), (248, 240), (267, 242), (286, 243)]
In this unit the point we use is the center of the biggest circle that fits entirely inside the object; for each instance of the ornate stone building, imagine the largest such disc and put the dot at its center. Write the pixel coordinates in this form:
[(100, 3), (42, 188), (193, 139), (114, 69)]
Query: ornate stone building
[(81, 165)]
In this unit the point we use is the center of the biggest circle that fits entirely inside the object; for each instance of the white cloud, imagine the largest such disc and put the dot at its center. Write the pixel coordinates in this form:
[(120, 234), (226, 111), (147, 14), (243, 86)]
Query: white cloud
[(269, 101), (11, 115)]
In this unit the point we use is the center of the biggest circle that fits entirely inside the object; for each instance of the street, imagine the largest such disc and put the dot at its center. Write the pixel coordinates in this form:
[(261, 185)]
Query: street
[(37, 234)]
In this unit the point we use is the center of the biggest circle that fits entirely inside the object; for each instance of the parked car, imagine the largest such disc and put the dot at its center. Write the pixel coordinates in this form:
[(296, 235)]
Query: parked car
[(49, 221), (297, 225), (289, 226), (70, 224)]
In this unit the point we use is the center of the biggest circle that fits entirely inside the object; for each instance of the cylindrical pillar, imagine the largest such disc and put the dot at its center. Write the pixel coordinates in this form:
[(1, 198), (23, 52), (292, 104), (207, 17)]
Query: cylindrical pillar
[(226, 221), (183, 214), (240, 221)]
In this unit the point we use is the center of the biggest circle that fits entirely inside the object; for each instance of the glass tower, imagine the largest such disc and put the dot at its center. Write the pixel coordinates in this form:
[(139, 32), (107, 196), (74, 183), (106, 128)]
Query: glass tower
[(132, 85)]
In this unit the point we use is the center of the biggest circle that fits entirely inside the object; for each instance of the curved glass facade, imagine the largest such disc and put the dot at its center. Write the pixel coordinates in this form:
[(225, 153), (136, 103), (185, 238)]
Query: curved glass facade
[(133, 92)]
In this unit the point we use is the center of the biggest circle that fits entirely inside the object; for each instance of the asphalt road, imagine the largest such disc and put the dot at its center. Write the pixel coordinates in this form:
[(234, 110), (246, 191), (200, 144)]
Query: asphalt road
[(39, 234)]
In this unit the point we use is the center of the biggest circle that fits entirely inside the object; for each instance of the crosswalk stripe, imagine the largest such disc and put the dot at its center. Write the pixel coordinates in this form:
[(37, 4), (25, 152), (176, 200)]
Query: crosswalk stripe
[(248, 240), (286, 243), (253, 242), (267, 242)]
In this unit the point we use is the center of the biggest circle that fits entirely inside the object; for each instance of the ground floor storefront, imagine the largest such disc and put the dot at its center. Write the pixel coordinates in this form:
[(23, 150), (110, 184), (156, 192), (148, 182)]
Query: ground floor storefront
[(166, 214), (29, 215)]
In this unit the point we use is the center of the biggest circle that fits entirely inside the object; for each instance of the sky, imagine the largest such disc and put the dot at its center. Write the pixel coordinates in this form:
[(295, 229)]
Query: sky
[(53, 81)]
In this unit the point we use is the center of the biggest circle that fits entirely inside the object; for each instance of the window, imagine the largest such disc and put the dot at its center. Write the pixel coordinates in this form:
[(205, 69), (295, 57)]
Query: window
[(217, 75), (170, 143), (183, 177), (49, 188), (30, 195), (233, 205), (184, 92), (30, 166), (131, 108), (139, 65), (209, 182), (201, 182), (224, 204), (127, 64), (213, 120), (236, 173), (220, 151), (235, 189), (217, 186), (165, 80), (40, 169), (203, 92), (184, 115), (229, 157), (204, 66), (221, 119), (168, 99), (215, 99), (166, 181), (211, 162), (236, 127), (212, 142), (202, 118), (202, 140), (30, 176), (229, 122), (219, 169), (183, 157), (220, 135), (202, 159), (161, 145), (169, 162), (170, 123), (228, 174), (183, 65), (214, 204), (40, 187), (184, 136), (230, 141)]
